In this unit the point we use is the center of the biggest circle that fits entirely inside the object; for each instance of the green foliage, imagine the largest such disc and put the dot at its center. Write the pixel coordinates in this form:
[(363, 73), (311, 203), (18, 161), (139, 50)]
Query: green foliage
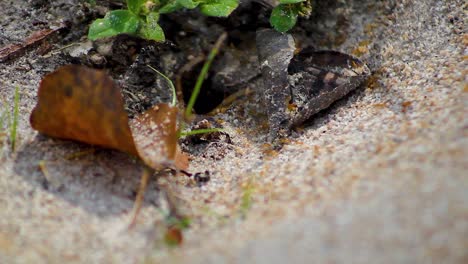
[(219, 8), (114, 23), (284, 16), (142, 17)]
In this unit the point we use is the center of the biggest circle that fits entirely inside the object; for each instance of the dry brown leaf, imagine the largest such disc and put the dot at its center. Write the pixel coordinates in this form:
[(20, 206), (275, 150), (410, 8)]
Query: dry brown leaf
[(155, 135), (83, 104)]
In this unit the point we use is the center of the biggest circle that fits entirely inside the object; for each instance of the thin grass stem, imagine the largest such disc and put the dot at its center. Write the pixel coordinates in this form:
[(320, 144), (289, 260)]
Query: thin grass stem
[(201, 77), (199, 131), (173, 89), (14, 126)]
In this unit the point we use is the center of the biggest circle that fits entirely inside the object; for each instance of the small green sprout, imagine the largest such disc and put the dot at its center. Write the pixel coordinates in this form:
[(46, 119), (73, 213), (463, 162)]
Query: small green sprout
[(246, 199), (171, 85), (14, 126), (6, 120), (199, 132), (174, 102), (142, 17), (284, 16)]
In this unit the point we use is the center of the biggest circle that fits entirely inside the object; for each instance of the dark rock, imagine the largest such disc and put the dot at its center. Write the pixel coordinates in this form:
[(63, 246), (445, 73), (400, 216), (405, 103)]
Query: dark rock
[(275, 51)]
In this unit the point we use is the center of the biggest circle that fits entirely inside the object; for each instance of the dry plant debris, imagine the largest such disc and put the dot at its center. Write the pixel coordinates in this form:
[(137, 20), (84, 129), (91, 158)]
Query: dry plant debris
[(86, 105), (35, 39)]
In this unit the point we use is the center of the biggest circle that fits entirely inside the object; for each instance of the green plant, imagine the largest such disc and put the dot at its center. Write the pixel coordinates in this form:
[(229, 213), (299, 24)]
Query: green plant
[(201, 77), (6, 120), (171, 85), (14, 126), (142, 16), (193, 97), (284, 16), (246, 199)]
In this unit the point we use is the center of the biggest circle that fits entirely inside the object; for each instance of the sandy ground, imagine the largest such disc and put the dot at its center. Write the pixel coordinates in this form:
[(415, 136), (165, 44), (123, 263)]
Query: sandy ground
[(381, 177)]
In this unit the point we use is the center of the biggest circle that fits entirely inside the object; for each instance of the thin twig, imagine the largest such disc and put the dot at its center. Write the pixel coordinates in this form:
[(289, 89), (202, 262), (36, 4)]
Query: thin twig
[(36, 38), (140, 195)]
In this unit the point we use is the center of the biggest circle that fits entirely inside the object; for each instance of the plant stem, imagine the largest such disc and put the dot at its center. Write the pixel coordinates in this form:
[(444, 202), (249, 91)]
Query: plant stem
[(202, 75)]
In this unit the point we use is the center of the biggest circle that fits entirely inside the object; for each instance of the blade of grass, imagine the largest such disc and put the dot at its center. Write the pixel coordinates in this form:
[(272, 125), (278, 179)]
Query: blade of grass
[(173, 89), (3, 116), (186, 68), (5, 121), (3, 134), (199, 131), (201, 77), (14, 126), (246, 200), (6, 116)]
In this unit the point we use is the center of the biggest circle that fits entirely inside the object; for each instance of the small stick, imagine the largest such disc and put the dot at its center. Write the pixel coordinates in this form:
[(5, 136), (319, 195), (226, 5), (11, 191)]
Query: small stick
[(49, 180), (140, 195), (171, 201), (80, 154), (15, 50), (228, 101)]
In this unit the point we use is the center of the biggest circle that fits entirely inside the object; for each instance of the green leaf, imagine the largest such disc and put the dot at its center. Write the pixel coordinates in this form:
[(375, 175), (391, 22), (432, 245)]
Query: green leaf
[(189, 4), (123, 21), (135, 5), (170, 7), (151, 29), (283, 18), (114, 23), (218, 8), (291, 1), (101, 28)]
